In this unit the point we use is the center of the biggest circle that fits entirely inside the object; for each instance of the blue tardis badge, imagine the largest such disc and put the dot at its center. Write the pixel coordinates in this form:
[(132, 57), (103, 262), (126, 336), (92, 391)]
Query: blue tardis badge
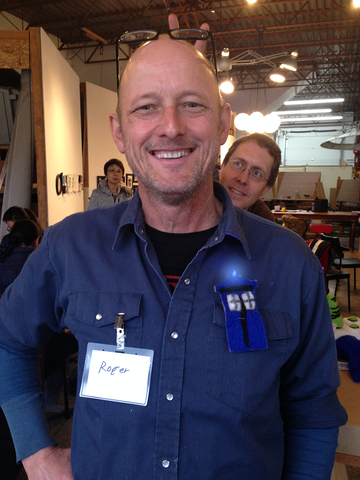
[(244, 326)]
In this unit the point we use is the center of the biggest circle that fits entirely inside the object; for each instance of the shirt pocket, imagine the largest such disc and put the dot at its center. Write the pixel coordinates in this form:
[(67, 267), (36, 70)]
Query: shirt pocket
[(242, 380), (93, 316)]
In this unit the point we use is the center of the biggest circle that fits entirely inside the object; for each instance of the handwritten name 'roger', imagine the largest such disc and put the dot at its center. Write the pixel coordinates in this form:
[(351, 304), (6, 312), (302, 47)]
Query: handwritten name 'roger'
[(112, 370)]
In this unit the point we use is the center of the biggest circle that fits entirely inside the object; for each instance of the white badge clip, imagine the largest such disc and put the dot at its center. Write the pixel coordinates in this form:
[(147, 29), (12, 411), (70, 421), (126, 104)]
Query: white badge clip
[(120, 332), (121, 378)]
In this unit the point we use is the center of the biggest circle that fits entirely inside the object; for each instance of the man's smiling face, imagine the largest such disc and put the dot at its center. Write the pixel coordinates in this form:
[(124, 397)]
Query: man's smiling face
[(171, 124), (245, 191)]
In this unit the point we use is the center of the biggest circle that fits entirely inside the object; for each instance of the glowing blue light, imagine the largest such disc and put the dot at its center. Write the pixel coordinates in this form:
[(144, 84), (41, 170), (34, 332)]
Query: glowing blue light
[(234, 273)]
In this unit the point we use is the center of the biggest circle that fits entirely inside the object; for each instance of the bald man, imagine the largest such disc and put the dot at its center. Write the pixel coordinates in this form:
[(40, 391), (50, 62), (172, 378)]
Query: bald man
[(175, 386)]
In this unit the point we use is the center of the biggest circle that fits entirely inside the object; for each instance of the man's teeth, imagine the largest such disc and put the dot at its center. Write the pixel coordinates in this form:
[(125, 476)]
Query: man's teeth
[(172, 154), (236, 191)]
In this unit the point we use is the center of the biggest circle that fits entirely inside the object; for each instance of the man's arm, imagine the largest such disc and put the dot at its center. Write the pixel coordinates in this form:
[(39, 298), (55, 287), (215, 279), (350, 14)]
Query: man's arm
[(309, 453)]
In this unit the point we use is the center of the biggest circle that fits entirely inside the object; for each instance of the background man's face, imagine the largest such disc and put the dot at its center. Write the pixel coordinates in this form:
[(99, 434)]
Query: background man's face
[(243, 190), (171, 121)]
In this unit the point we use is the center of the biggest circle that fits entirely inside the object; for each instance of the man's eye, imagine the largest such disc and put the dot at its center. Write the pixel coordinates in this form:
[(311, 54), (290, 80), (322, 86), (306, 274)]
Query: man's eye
[(192, 105), (238, 164), (145, 107), (257, 173)]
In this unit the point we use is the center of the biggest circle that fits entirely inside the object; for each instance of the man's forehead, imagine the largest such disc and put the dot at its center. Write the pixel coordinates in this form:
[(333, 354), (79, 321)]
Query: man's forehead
[(155, 54)]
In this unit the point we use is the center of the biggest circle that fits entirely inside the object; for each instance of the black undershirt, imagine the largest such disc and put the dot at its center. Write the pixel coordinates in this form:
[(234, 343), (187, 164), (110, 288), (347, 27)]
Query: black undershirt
[(176, 250)]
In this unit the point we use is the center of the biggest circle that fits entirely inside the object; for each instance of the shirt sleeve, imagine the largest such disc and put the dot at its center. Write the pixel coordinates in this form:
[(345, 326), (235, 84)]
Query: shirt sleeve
[(309, 454), (20, 399), (310, 376), (93, 201), (33, 294)]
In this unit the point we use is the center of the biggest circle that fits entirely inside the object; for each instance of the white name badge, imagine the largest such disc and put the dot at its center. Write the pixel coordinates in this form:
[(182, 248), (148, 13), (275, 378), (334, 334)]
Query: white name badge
[(117, 376)]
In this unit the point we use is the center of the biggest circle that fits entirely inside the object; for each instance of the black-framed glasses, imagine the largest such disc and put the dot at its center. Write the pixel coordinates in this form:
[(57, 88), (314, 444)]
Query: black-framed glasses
[(254, 173), (138, 37)]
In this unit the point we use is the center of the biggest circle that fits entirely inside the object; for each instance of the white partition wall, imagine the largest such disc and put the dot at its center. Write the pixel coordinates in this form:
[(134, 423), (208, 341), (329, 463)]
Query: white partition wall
[(62, 126)]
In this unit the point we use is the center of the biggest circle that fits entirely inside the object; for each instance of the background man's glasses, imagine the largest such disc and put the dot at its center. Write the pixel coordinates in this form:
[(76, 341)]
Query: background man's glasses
[(254, 173), (137, 37)]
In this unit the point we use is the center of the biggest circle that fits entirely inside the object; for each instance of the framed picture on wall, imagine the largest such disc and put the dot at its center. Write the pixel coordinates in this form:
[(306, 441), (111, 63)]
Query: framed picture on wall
[(99, 178), (129, 180)]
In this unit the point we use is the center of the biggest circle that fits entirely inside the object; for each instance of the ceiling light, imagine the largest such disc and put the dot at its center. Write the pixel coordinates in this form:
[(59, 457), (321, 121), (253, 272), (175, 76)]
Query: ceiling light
[(356, 3), (310, 102), (277, 75), (256, 122), (251, 1), (225, 52), (227, 87), (290, 63), (311, 119), (302, 112)]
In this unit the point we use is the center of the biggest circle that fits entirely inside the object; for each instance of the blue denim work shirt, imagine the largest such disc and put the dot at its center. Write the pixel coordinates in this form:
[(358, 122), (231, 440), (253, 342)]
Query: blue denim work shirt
[(227, 410)]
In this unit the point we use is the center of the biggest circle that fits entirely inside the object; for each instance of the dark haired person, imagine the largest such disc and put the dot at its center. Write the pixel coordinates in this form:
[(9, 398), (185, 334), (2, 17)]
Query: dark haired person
[(111, 189), (11, 215), (249, 170), (23, 239)]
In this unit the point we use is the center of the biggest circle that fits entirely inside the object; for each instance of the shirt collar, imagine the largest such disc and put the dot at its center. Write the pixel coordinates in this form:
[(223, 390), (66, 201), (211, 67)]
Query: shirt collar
[(230, 222)]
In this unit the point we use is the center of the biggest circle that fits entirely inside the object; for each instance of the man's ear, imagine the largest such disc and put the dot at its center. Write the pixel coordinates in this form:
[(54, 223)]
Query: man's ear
[(116, 132), (225, 118)]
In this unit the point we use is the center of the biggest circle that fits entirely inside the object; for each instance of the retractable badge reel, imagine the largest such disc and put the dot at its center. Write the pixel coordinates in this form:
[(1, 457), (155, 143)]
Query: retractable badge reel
[(117, 373)]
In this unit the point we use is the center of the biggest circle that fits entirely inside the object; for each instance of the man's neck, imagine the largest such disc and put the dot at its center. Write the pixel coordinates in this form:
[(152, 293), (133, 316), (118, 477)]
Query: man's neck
[(201, 212)]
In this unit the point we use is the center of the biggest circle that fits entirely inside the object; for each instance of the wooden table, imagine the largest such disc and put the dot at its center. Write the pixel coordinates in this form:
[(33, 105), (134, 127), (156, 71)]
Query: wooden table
[(329, 217)]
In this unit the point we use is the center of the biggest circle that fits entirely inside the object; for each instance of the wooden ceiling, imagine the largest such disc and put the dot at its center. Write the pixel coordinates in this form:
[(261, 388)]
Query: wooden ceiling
[(325, 33)]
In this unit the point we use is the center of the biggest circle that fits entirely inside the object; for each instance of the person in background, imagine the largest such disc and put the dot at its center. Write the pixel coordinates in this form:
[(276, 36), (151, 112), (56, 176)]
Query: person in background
[(11, 215), (236, 393), (111, 189), (249, 170), (24, 238)]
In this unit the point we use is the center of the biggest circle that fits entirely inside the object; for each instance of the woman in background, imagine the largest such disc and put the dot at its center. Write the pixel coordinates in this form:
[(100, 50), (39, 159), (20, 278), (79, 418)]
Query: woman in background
[(24, 238), (111, 189)]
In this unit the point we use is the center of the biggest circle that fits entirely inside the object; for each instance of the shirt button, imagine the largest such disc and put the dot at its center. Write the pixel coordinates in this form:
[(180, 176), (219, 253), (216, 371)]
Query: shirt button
[(174, 335), (165, 463), (98, 316), (187, 281), (169, 396), (141, 231), (216, 239)]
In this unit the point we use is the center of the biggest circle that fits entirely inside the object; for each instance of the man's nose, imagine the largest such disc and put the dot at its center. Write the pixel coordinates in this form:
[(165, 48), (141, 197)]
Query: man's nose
[(172, 124), (243, 176)]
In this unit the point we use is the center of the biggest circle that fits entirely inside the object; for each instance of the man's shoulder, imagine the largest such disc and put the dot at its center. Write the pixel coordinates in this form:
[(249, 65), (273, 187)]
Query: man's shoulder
[(261, 231), (97, 219), (262, 210)]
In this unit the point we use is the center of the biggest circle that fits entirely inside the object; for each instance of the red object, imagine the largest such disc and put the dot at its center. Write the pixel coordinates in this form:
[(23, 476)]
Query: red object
[(321, 228)]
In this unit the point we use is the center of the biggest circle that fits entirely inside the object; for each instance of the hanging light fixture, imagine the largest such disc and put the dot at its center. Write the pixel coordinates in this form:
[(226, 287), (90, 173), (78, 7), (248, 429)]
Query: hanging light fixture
[(224, 65), (256, 122), (277, 75), (356, 3), (290, 63), (227, 86)]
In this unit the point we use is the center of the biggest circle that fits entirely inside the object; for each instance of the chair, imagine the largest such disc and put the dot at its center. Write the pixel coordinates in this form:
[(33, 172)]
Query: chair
[(335, 273), (343, 262)]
